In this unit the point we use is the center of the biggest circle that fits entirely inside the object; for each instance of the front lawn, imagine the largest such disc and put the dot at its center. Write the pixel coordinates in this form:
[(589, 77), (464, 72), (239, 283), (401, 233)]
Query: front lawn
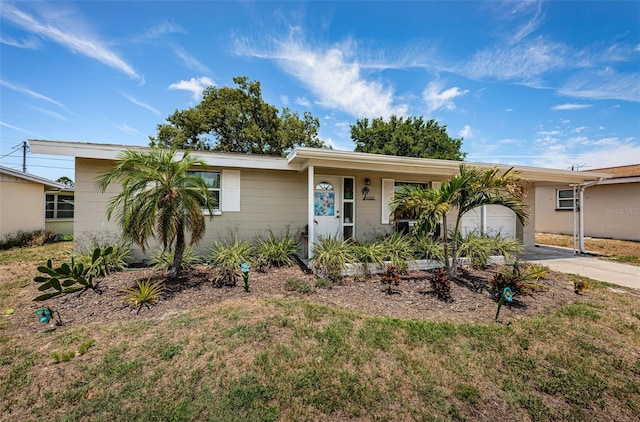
[(290, 350)]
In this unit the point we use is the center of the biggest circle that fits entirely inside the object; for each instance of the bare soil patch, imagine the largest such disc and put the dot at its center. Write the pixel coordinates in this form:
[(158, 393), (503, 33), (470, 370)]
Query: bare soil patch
[(472, 302), (608, 248)]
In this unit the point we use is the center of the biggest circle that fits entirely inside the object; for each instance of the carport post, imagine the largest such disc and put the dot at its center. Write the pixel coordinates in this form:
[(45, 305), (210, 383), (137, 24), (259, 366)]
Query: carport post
[(311, 230)]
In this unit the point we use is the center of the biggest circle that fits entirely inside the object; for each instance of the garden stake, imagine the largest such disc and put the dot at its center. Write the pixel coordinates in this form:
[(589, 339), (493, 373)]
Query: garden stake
[(245, 268), (507, 295)]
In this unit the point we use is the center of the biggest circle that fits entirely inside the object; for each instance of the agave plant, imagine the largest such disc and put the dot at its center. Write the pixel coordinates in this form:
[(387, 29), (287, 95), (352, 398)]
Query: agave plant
[(144, 294)]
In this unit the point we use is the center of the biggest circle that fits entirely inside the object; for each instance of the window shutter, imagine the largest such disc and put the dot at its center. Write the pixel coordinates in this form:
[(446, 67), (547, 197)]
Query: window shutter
[(387, 196), (230, 190)]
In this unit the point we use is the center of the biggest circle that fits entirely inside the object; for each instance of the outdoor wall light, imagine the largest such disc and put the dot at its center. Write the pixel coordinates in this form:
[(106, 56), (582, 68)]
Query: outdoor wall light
[(367, 181)]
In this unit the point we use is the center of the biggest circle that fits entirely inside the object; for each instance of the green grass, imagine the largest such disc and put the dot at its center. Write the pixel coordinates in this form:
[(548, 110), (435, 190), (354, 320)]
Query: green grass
[(288, 359), (625, 258)]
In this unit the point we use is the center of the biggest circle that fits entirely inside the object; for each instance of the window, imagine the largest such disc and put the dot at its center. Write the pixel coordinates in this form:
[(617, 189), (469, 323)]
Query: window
[(565, 199), (225, 189), (212, 179), (399, 185), (389, 187), (58, 206)]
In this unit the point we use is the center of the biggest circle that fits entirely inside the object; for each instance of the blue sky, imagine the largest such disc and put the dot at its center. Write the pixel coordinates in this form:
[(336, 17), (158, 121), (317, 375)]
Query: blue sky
[(550, 84)]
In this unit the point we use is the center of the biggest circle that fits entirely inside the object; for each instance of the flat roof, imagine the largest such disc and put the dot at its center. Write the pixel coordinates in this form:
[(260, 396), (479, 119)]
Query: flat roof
[(302, 157)]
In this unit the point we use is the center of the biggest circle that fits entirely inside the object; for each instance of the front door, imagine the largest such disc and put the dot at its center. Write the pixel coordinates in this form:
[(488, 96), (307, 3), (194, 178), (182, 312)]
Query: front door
[(327, 204)]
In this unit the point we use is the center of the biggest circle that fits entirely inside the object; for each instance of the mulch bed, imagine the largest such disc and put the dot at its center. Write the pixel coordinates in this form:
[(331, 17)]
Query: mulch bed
[(413, 298)]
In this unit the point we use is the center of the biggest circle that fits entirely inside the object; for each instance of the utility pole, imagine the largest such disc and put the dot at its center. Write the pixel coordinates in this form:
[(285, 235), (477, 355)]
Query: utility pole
[(25, 148)]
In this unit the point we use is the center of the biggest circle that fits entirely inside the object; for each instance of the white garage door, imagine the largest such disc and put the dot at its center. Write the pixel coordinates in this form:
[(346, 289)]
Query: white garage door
[(497, 219)]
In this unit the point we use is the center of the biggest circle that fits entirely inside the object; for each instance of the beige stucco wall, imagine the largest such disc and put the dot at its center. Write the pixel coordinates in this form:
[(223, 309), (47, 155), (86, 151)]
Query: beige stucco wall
[(269, 200), (21, 205), (610, 211)]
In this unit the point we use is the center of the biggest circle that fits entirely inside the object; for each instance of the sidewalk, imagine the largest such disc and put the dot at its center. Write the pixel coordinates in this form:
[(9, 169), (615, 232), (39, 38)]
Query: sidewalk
[(564, 260)]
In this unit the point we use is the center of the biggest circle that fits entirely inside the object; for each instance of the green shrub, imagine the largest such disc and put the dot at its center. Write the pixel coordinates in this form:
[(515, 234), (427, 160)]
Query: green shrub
[(369, 253), (277, 251), (144, 294), (164, 259), (330, 255), (520, 278), (398, 250), (69, 277), (113, 261), (425, 247), (508, 248), (22, 239), (227, 257), (476, 248)]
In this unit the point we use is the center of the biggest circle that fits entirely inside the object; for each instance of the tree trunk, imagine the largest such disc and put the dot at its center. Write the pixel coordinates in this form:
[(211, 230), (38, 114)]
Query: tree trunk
[(454, 264), (445, 244), (177, 253)]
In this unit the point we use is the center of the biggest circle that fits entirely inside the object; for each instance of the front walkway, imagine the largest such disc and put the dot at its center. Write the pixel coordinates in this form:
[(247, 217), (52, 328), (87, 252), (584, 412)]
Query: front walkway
[(564, 260)]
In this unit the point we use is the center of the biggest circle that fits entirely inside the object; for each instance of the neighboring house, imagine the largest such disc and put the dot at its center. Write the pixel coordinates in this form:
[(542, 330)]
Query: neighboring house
[(611, 208), (314, 192), (22, 200)]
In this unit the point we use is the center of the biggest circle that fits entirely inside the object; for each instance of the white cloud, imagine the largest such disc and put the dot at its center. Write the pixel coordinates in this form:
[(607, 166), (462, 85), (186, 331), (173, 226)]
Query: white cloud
[(466, 132), (165, 27), (30, 42), (332, 74), (189, 61), (50, 113), (570, 106), (301, 101), (68, 36), (524, 62), (30, 93), (508, 110), (607, 85), (532, 24), (19, 129), (437, 99), (605, 156), (140, 103), (194, 85), (127, 129), (284, 99), (579, 128)]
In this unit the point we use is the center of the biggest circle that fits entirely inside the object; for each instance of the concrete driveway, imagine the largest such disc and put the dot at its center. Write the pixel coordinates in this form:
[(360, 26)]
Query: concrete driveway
[(564, 260)]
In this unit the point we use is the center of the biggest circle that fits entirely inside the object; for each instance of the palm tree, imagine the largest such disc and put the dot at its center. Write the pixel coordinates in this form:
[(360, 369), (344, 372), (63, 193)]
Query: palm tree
[(470, 188), (159, 198)]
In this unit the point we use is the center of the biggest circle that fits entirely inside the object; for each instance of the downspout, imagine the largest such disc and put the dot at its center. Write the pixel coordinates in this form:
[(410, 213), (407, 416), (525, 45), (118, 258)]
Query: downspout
[(581, 211)]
